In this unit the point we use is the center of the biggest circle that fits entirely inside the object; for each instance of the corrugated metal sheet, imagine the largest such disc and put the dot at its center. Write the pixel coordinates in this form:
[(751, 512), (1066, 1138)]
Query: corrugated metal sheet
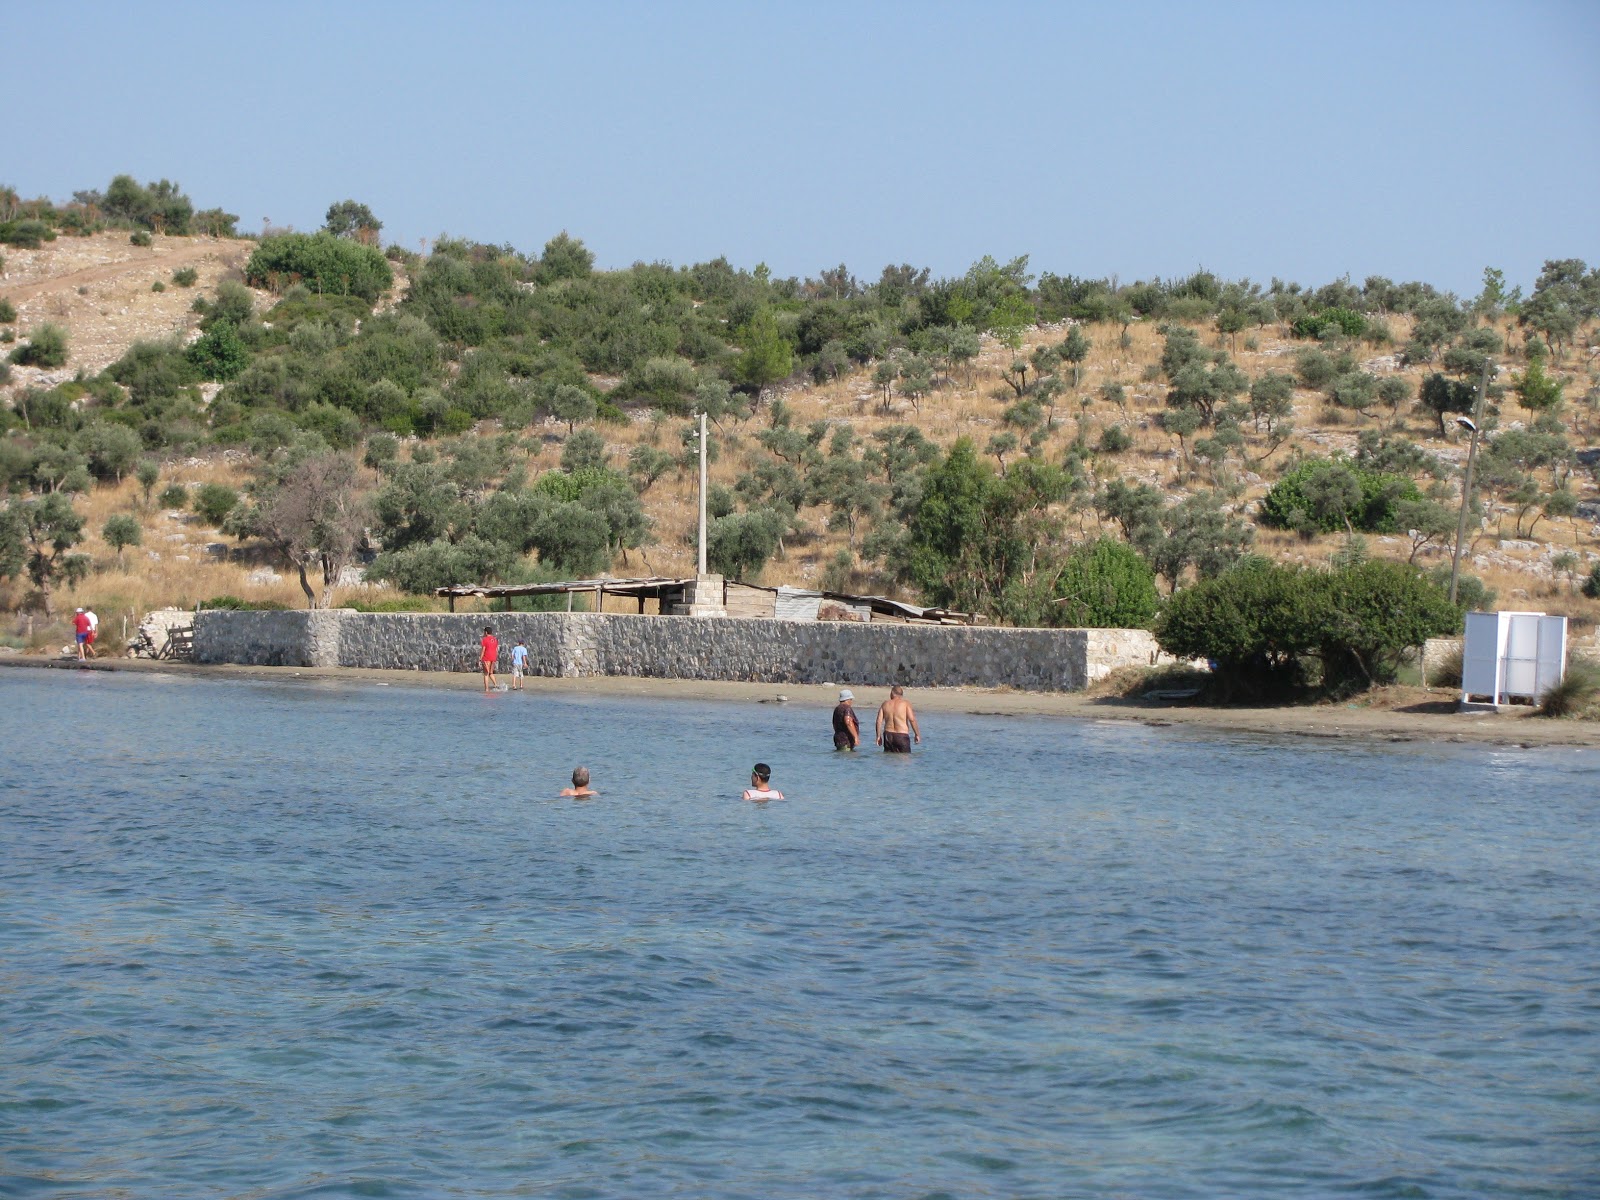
[(797, 604)]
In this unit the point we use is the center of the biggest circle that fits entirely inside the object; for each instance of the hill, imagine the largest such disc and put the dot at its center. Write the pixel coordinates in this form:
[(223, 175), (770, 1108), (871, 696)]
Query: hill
[(516, 416)]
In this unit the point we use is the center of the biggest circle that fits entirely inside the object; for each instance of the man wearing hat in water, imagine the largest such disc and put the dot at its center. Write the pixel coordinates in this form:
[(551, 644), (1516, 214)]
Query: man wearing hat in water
[(846, 726)]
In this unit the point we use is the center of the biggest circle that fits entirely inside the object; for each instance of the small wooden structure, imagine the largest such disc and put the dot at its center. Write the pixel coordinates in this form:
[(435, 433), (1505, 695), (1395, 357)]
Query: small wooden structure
[(748, 601)]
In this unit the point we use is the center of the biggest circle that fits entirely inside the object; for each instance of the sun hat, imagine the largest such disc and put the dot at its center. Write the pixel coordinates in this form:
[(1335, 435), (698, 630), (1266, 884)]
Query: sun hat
[(846, 694)]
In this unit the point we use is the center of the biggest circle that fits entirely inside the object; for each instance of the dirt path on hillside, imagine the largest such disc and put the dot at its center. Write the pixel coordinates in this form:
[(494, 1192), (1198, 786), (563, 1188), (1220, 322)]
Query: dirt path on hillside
[(167, 260)]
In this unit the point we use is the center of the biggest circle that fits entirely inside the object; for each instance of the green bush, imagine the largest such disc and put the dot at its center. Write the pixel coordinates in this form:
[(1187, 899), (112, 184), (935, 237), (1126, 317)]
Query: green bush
[(1114, 439), (158, 286), (327, 264), (214, 501), (185, 277), (46, 347), (1320, 494), (1591, 585), (174, 495), (26, 233), (8, 311), (235, 604), (140, 238), (1275, 632), (219, 354), (1106, 584), (1328, 323)]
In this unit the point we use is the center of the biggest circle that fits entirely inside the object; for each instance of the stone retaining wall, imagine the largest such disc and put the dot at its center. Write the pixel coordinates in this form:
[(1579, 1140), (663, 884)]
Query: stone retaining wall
[(575, 644)]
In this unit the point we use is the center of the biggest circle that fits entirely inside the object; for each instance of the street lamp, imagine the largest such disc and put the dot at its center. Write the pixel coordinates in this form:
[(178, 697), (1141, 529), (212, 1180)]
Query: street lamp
[(1466, 484)]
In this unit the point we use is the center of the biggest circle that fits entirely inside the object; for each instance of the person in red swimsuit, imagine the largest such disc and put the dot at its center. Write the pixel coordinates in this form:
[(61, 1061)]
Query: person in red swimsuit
[(489, 656), (81, 626)]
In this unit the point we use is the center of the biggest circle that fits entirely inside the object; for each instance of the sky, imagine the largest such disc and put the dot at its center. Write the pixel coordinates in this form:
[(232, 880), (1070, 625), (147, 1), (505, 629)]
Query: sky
[(1412, 139)]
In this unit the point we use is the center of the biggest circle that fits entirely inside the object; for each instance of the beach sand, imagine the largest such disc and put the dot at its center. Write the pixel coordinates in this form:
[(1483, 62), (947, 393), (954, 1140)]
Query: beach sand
[(1387, 715)]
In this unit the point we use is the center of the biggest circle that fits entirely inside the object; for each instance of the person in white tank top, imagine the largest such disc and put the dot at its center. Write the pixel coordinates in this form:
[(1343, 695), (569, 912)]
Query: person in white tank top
[(761, 788)]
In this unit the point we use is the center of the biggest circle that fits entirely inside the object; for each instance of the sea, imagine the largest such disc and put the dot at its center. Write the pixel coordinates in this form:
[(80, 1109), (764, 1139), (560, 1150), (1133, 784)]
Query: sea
[(274, 939)]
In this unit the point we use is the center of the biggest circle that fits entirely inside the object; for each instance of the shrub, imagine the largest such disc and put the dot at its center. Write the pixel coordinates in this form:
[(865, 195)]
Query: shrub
[(1575, 694), (47, 347), (1106, 584), (1275, 631), (1591, 585), (326, 263), (26, 234), (235, 604), (122, 531), (1114, 439), (214, 501), (219, 354), (185, 277), (1329, 322), (8, 311), (1319, 495), (158, 286), (140, 238), (174, 495)]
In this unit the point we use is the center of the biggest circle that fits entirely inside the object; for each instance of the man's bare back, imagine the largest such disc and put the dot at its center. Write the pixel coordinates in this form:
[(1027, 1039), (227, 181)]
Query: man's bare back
[(897, 723)]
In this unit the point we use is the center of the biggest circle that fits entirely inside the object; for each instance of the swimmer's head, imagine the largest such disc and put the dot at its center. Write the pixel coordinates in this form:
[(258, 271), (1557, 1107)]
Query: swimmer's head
[(580, 777), (897, 690), (762, 772)]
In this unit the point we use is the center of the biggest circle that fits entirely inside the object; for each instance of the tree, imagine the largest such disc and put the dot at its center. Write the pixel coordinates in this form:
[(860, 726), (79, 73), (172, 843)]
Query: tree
[(1425, 522), (1074, 350), (1271, 400), (121, 531), (1106, 584), (565, 257), (314, 514), (219, 353), (43, 533), (45, 347), (583, 450), (883, 377), (148, 473), (767, 356), (1199, 533), (1537, 391), (574, 405), (1442, 396), (327, 265), (110, 450), (1181, 423), (214, 501), (348, 219), (739, 545)]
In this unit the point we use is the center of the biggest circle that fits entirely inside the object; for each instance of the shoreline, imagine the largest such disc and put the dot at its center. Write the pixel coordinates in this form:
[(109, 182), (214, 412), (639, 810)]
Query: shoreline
[(1429, 719)]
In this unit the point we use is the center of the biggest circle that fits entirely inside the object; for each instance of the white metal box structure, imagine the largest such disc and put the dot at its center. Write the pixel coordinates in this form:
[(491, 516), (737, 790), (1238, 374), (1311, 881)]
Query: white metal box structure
[(1510, 655)]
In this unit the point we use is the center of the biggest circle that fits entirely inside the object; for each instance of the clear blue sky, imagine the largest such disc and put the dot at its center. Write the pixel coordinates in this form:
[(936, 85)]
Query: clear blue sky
[(1410, 139)]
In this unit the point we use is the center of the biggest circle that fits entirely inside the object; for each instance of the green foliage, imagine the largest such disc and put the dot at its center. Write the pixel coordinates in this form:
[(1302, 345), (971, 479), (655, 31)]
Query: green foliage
[(1325, 495), (219, 353), (1276, 631), (767, 356), (348, 219), (228, 603), (158, 286), (111, 450), (1537, 391), (565, 257), (161, 206), (1329, 322), (37, 537), (121, 531), (422, 567), (185, 277), (739, 544), (140, 238), (1576, 694), (1591, 585), (26, 234), (8, 311), (1115, 439), (1442, 396), (1106, 584), (327, 264), (214, 501), (45, 347), (174, 495)]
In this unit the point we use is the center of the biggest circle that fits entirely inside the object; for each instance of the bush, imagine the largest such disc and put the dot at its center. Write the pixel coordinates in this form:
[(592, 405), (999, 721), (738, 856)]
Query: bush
[(174, 495), (1274, 632), (235, 604), (1591, 585), (219, 354), (8, 311), (1114, 439), (1106, 584), (326, 263), (1330, 322), (158, 286), (185, 277), (1575, 695), (214, 501), (26, 234), (1318, 495), (140, 238), (47, 347)]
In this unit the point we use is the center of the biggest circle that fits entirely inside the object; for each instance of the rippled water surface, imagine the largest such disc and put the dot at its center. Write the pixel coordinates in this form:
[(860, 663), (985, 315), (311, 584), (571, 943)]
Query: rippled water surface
[(294, 939)]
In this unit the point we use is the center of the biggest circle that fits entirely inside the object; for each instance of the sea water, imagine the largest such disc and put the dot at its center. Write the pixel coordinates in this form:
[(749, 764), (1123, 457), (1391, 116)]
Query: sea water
[(293, 939)]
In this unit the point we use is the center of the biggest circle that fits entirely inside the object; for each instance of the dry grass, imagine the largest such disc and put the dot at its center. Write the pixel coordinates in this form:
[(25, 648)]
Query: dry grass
[(174, 567)]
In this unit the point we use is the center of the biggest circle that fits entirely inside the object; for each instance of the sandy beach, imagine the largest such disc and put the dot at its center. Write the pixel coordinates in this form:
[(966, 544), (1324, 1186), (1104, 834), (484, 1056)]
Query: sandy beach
[(1387, 715)]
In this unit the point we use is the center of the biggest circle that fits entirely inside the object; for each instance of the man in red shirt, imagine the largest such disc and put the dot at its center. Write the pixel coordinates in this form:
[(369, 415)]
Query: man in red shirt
[(490, 655), (81, 626)]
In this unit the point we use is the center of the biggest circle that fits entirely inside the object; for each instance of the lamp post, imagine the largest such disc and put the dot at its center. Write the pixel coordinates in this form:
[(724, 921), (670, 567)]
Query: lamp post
[(702, 560), (1466, 483)]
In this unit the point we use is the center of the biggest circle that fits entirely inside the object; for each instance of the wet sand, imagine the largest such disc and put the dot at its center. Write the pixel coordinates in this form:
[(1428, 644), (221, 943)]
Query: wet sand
[(1391, 715)]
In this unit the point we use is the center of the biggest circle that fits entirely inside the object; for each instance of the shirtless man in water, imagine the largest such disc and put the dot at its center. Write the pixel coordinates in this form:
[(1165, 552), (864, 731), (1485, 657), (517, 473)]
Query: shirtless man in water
[(897, 724)]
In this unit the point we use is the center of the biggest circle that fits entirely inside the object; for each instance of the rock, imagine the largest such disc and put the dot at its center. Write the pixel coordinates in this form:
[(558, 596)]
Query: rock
[(262, 576)]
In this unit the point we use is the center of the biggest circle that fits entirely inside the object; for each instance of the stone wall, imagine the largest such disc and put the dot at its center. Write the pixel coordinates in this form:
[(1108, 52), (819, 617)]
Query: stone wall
[(574, 644)]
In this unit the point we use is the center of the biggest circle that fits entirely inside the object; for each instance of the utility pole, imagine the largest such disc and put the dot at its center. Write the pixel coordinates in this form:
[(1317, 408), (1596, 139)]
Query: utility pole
[(702, 493), (1476, 425)]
